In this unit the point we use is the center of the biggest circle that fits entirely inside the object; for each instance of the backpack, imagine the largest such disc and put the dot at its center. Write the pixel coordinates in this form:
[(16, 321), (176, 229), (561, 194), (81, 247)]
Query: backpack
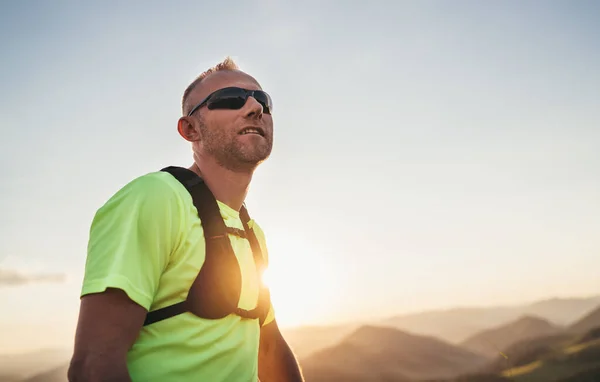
[(216, 290)]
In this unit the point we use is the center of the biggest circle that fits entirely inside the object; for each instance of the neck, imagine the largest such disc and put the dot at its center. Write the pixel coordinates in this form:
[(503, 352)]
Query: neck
[(228, 187)]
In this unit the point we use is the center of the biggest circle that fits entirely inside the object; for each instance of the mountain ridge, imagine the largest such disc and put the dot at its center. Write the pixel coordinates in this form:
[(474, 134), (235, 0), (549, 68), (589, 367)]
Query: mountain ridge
[(453, 325), (385, 353), (456, 325), (587, 322), (496, 340)]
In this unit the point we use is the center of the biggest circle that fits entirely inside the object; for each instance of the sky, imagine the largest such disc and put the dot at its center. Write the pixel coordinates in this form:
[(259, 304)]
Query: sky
[(427, 154)]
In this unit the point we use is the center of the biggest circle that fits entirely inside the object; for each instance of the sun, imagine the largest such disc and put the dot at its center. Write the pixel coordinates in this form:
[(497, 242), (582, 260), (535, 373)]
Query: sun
[(303, 283), (266, 277)]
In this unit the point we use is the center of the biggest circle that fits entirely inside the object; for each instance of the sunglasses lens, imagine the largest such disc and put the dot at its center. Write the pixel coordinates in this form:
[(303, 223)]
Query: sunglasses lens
[(235, 98), (229, 98), (264, 99)]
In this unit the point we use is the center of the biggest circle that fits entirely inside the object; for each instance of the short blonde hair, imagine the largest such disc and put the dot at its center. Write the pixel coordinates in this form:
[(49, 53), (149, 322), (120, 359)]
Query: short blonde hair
[(226, 64)]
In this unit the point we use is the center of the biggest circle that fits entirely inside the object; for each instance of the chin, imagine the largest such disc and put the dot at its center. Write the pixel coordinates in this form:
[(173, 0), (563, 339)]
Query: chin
[(244, 163), (257, 160), (257, 155)]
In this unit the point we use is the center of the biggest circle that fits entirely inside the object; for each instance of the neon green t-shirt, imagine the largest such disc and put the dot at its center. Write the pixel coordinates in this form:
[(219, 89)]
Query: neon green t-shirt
[(148, 241)]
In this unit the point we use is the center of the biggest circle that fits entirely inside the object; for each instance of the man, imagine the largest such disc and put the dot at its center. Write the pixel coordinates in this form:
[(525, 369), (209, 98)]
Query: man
[(147, 247)]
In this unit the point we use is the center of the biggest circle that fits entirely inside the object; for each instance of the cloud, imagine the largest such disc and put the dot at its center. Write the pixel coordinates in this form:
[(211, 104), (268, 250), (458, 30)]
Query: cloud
[(13, 278)]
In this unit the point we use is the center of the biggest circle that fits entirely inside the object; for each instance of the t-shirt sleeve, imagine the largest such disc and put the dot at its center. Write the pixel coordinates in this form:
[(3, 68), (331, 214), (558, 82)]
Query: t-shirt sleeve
[(131, 239)]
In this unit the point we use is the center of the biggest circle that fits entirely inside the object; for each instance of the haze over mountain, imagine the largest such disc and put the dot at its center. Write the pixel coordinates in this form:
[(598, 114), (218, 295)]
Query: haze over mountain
[(305, 340), (527, 351), (380, 353), (588, 322), (17, 367), (57, 374), (563, 311), (451, 325), (493, 341), (457, 325), (351, 352), (565, 357)]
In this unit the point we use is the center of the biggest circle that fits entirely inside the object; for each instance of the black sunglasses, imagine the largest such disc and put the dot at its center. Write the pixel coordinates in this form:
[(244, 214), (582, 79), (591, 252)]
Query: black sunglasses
[(234, 98)]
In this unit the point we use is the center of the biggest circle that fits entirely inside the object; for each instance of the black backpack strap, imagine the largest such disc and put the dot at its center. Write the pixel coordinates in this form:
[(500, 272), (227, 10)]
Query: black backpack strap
[(217, 242), (204, 202), (213, 225), (166, 312), (254, 244), (186, 177)]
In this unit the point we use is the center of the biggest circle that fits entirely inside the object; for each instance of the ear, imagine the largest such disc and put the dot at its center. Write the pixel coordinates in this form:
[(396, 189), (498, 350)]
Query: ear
[(188, 128)]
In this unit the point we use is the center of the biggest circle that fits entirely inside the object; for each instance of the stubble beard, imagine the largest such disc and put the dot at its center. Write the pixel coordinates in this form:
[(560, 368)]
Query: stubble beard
[(232, 154)]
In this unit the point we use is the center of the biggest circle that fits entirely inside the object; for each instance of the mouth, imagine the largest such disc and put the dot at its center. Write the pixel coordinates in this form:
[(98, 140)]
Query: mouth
[(252, 130)]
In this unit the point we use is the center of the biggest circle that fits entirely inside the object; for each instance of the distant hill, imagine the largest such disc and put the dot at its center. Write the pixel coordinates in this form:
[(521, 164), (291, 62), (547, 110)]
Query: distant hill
[(308, 339), (589, 375), (564, 357), (374, 353), (325, 374), (481, 377), (58, 374), (452, 325), (22, 366), (562, 311), (571, 362), (592, 334), (493, 341), (529, 350), (588, 322), (457, 325)]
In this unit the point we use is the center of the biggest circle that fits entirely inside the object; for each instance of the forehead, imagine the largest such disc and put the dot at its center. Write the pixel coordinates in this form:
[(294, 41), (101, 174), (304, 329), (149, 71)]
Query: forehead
[(223, 79)]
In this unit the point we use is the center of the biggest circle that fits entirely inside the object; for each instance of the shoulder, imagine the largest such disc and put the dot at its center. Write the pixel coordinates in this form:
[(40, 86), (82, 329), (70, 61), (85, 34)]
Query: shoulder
[(152, 194), (151, 187), (157, 183)]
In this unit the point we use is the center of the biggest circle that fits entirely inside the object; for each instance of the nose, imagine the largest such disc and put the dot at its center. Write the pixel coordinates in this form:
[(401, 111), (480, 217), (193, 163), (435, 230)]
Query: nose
[(253, 108)]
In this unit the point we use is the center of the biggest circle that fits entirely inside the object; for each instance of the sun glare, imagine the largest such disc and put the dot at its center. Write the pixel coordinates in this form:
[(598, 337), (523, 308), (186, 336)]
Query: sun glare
[(303, 284), (266, 278)]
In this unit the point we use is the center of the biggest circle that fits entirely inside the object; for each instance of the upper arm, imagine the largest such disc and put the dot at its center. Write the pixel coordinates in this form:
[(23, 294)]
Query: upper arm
[(270, 338), (108, 324), (276, 360), (131, 239)]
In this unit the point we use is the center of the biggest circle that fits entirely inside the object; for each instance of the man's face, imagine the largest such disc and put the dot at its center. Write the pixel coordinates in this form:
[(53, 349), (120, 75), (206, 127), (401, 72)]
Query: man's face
[(221, 130)]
